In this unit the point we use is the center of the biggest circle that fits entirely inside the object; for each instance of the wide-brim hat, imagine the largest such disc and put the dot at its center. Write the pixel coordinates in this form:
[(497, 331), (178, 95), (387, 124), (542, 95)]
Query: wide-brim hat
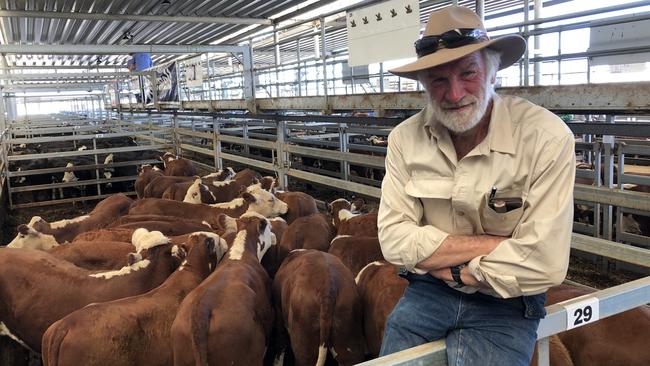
[(511, 47)]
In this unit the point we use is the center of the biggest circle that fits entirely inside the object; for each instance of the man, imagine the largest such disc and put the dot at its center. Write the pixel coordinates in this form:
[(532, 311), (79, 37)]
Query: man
[(476, 203)]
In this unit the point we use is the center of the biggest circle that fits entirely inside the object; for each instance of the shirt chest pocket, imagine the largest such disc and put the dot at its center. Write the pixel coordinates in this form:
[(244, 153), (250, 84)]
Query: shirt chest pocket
[(429, 188), (503, 221)]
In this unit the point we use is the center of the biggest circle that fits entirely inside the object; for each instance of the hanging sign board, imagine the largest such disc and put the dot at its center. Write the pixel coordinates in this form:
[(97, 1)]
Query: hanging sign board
[(194, 73), (383, 32)]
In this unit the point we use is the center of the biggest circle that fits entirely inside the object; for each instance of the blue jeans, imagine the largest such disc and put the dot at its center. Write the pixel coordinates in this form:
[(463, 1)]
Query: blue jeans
[(479, 329)]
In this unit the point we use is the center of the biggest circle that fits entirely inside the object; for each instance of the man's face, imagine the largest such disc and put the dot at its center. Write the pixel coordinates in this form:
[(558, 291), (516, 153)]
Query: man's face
[(459, 91)]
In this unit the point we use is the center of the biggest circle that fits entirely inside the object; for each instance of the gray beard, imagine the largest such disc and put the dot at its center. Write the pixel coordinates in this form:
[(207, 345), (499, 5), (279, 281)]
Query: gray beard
[(462, 121)]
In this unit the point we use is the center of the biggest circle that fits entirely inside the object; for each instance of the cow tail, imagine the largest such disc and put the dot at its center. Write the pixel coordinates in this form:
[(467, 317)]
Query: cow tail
[(200, 324), (53, 346), (326, 318)]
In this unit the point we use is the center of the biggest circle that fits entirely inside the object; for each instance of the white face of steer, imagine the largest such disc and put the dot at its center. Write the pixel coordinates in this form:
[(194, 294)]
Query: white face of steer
[(266, 203), (266, 239), (193, 194), (31, 239)]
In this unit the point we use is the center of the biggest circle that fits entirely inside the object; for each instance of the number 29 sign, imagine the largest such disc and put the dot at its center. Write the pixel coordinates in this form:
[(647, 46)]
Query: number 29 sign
[(582, 312)]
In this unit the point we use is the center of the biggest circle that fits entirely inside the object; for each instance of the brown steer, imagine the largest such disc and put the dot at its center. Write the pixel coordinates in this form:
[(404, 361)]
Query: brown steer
[(316, 301), (227, 319), (37, 289), (123, 329)]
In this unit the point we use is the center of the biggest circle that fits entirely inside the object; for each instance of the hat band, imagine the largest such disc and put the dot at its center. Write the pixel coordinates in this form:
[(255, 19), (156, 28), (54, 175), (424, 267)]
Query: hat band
[(452, 39)]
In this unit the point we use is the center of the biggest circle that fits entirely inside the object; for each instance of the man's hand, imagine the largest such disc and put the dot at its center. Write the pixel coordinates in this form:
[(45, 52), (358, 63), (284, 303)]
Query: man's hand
[(458, 249)]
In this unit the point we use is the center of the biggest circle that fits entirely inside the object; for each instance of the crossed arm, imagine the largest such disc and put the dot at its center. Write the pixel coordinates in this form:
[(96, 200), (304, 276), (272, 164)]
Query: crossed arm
[(459, 249)]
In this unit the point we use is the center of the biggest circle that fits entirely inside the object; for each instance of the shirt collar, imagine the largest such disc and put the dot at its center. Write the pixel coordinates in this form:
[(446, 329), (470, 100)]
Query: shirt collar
[(499, 137)]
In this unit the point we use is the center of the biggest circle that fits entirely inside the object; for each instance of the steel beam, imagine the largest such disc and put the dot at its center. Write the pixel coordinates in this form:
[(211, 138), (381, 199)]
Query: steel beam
[(41, 76), (124, 49), (131, 17)]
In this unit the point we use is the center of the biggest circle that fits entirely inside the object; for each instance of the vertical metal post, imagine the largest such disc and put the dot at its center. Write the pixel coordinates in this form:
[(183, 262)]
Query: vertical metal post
[(278, 60), (249, 79), (282, 164), (619, 180), (299, 69), (559, 60), (538, 65), (175, 136), (543, 355), (343, 144), (323, 56), (244, 132), (381, 78), (216, 144), (99, 189), (526, 61), (598, 154), (608, 168)]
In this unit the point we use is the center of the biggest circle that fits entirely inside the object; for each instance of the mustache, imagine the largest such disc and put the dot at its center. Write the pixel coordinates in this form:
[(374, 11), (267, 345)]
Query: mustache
[(467, 100)]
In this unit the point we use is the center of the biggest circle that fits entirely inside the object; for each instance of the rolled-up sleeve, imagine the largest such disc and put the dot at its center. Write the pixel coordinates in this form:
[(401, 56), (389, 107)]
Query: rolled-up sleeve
[(536, 257), (404, 242)]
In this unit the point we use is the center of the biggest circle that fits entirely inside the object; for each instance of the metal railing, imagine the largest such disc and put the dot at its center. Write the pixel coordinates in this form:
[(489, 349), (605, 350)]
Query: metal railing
[(610, 302), (79, 141)]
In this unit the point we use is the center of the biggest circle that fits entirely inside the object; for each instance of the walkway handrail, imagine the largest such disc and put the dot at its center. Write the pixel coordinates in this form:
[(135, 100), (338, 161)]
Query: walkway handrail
[(611, 301)]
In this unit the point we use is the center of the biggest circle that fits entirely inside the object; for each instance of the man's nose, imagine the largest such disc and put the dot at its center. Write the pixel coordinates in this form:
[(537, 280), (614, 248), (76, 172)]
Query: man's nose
[(456, 91)]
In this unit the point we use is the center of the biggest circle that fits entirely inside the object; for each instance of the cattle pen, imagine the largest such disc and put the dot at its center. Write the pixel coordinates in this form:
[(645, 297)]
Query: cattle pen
[(274, 91)]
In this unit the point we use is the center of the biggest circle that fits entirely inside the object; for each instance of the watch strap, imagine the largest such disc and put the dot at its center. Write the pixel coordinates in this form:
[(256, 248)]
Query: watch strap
[(455, 274)]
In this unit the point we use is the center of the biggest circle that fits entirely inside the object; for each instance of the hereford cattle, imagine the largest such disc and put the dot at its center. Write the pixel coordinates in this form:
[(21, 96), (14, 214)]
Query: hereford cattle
[(134, 330), (347, 222), (254, 199), (308, 232), (620, 339), (317, 305), (94, 255), (247, 177), (147, 174), (272, 259), (357, 225), (41, 234), (106, 234), (299, 203), (220, 175), (127, 219), (189, 191), (166, 227), (177, 166), (158, 185), (269, 183), (226, 190), (380, 288), (227, 319), (355, 252), (37, 289)]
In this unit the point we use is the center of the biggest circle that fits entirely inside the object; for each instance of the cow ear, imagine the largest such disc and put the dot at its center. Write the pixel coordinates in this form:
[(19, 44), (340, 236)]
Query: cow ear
[(262, 225), (248, 197), (328, 207), (358, 203), (210, 245), (133, 258), (23, 229), (221, 221)]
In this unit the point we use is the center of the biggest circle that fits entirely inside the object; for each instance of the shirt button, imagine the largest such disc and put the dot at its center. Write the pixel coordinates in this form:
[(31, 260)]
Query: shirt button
[(460, 213)]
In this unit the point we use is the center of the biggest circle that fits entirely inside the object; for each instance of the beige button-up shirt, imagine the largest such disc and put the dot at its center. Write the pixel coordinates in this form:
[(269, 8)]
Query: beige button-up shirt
[(427, 194)]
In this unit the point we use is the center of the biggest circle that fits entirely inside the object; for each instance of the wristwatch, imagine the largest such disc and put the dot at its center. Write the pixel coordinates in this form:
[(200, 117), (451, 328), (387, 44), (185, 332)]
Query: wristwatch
[(455, 274)]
